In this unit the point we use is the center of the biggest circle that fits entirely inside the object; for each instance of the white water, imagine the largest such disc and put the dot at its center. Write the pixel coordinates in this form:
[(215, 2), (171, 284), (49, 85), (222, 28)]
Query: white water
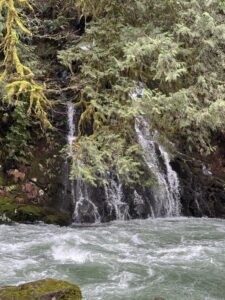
[(83, 204), (115, 199), (79, 192), (176, 259), (71, 137), (166, 193)]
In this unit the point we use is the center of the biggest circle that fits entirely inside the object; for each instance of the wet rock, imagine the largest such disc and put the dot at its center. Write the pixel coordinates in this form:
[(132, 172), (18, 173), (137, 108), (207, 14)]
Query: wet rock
[(16, 210), (48, 289), (202, 193), (26, 202)]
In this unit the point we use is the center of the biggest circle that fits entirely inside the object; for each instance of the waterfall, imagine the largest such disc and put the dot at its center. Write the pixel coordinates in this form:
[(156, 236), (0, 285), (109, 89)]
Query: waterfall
[(83, 206), (67, 183), (166, 193), (110, 202), (71, 127), (115, 199), (140, 202), (70, 139)]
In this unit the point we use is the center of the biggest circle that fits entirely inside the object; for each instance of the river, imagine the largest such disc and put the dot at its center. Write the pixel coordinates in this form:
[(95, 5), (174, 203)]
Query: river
[(177, 258)]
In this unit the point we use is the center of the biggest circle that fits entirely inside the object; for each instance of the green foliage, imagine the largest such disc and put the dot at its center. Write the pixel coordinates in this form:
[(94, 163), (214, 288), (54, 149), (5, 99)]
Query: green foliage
[(16, 144), (175, 48), (106, 140), (17, 80), (188, 101), (21, 96), (105, 152)]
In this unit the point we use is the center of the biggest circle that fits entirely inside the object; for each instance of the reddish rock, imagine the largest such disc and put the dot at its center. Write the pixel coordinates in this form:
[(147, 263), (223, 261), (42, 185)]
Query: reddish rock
[(16, 175), (31, 190)]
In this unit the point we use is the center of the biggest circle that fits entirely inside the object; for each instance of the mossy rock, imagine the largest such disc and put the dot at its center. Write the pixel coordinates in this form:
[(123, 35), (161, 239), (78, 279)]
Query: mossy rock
[(47, 289), (10, 211)]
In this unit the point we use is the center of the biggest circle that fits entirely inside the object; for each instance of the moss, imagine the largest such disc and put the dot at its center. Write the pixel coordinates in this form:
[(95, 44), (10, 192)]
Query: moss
[(23, 213), (58, 218), (7, 208), (42, 289)]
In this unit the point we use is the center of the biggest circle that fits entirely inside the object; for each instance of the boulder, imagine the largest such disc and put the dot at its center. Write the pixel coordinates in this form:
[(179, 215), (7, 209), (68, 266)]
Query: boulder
[(47, 289)]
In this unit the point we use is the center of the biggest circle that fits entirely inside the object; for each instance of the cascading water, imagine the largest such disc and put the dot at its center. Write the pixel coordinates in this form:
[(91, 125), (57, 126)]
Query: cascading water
[(115, 199), (83, 204), (67, 183), (79, 191), (166, 193), (71, 126), (112, 202)]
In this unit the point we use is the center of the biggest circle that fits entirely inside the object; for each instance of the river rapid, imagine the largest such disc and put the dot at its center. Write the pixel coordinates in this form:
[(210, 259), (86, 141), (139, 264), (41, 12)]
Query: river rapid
[(177, 258)]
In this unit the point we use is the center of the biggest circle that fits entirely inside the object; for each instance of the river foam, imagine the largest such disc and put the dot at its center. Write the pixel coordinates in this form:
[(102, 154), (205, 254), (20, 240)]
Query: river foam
[(175, 259)]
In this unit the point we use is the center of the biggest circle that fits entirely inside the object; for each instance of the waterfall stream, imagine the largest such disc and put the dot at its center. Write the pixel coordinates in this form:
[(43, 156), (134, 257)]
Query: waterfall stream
[(94, 205), (166, 192), (115, 199), (79, 192)]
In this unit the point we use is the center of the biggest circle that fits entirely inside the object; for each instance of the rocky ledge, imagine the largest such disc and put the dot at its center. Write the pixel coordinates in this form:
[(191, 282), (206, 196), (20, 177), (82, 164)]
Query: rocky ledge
[(48, 289), (11, 211), (22, 201)]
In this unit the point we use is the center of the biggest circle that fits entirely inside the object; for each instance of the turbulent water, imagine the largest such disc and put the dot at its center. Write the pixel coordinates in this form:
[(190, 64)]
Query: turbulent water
[(177, 259)]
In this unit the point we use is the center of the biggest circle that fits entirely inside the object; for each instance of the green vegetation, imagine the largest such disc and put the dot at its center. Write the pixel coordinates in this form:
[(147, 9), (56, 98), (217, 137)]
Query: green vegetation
[(16, 78), (174, 48), (11, 211)]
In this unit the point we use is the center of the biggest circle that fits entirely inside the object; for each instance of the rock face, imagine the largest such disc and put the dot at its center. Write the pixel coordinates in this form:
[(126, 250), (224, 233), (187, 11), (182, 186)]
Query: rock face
[(24, 202), (11, 210), (48, 289), (26, 199), (202, 192)]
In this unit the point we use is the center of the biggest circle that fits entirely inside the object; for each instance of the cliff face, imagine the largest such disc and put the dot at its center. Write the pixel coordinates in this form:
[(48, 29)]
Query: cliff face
[(39, 192), (27, 192), (202, 191)]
